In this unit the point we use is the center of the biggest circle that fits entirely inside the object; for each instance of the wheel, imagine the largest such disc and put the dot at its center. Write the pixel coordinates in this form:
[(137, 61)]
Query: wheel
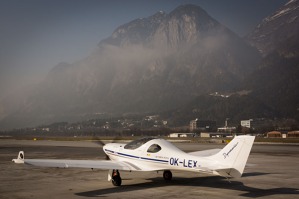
[(116, 179), (167, 175)]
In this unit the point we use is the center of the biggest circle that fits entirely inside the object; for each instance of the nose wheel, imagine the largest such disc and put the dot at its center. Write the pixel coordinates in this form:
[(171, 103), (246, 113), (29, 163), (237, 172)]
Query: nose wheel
[(116, 179), (167, 175)]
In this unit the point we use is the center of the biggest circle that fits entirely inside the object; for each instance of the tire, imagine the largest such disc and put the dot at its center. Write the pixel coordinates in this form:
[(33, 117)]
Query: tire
[(116, 180), (167, 175)]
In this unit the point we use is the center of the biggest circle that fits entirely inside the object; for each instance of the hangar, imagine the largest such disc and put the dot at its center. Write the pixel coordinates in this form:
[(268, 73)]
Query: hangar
[(274, 134), (293, 134)]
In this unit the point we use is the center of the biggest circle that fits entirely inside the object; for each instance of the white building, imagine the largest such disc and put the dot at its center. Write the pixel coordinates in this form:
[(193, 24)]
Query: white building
[(193, 125), (181, 135), (254, 123), (246, 123)]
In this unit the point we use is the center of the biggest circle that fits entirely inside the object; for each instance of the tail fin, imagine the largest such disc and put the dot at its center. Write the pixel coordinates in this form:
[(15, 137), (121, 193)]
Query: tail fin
[(233, 157), (20, 158)]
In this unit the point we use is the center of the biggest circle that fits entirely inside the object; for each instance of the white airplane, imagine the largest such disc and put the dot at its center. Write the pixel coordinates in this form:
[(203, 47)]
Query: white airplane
[(154, 154)]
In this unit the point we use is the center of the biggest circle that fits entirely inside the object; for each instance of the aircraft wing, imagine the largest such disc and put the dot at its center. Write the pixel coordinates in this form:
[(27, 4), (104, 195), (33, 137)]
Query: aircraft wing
[(65, 163), (205, 153)]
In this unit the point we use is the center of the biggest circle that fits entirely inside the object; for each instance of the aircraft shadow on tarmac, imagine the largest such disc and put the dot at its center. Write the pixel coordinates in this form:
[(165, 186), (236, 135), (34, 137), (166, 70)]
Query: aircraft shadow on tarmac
[(209, 182)]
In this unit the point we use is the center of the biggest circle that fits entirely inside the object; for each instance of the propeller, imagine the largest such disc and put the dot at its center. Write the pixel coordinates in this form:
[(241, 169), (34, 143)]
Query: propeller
[(99, 142)]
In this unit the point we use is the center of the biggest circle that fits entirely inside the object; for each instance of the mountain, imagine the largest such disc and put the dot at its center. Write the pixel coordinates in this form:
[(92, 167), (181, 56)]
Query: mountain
[(271, 90), (276, 81), (151, 64)]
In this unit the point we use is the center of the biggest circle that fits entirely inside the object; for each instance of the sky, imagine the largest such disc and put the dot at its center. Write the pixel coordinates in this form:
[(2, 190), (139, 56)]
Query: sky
[(36, 35)]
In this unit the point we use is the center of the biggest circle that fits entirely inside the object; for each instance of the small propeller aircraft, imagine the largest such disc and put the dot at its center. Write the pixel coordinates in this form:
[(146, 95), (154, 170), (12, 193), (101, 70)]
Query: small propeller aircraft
[(155, 154)]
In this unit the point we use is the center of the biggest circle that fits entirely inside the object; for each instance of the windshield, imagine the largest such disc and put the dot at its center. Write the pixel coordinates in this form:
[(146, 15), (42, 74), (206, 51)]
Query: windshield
[(137, 143)]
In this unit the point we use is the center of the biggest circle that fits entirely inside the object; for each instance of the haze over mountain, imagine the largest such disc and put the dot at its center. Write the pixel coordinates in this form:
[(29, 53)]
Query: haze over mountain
[(159, 64)]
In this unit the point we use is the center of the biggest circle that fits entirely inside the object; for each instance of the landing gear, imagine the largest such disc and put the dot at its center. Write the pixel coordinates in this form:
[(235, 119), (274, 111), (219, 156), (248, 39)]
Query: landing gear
[(116, 179), (167, 175)]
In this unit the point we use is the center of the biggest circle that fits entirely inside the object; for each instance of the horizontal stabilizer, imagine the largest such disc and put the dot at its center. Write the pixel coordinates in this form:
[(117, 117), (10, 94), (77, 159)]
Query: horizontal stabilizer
[(205, 153)]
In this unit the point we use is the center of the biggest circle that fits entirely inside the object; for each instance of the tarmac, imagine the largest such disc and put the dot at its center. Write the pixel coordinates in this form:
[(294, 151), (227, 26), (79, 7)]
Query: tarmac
[(271, 172)]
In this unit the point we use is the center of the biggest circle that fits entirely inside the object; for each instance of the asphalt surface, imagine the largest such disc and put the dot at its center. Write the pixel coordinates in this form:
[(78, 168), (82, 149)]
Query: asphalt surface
[(272, 172)]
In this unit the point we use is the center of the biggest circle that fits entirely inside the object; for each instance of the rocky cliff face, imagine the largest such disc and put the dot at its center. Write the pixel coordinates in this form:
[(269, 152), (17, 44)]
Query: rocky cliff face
[(147, 65), (183, 54), (278, 32)]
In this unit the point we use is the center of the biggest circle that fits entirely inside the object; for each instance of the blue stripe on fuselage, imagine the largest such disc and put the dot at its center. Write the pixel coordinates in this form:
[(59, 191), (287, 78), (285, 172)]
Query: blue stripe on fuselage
[(157, 160), (133, 156)]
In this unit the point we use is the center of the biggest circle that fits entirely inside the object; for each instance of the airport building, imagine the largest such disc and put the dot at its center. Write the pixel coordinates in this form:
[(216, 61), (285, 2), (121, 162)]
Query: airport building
[(277, 134), (226, 128), (203, 125), (181, 135), (293, 134), (214, 135), (274, 134), (253, 123)]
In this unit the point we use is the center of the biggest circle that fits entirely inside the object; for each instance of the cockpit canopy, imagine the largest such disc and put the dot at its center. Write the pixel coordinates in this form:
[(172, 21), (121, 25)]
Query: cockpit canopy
[(137, 143)]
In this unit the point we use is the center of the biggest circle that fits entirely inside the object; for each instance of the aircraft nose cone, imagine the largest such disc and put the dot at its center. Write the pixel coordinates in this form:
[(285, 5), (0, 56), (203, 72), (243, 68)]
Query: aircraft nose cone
[(108, 147), (105, 149)]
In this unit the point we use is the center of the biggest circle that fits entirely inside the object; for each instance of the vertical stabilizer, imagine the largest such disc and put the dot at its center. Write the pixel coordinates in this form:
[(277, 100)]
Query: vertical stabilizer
[(233, 157)]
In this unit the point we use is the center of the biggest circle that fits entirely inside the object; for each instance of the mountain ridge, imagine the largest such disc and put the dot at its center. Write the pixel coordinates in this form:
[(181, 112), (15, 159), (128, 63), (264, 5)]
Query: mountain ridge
[(275, 29)]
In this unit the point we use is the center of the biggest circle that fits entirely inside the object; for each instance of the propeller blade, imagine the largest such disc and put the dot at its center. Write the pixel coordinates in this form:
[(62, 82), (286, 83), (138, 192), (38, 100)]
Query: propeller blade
[(98, 141)]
